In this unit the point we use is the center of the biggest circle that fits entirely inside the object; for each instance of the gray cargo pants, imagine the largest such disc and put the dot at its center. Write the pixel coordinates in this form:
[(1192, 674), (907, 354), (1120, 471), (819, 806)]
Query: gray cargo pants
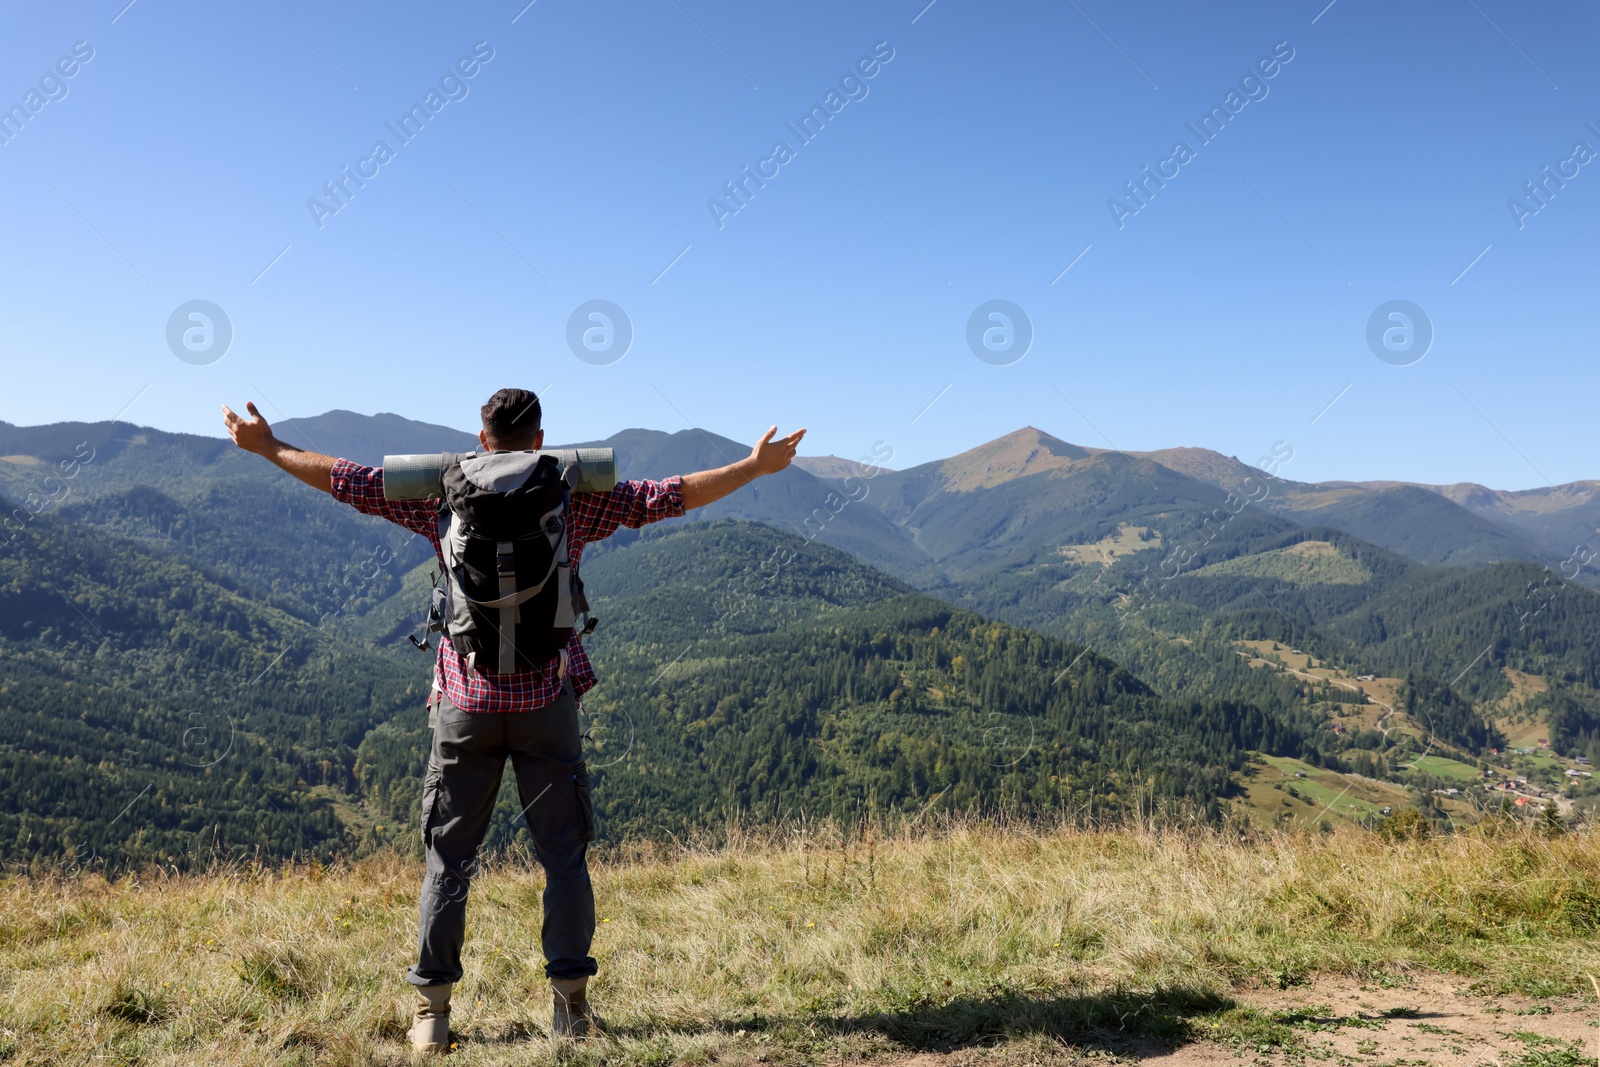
[(458, 796)]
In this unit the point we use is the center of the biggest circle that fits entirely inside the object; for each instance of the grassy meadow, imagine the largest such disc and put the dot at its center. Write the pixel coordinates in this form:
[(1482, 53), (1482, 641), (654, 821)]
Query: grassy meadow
[(1001, 944)]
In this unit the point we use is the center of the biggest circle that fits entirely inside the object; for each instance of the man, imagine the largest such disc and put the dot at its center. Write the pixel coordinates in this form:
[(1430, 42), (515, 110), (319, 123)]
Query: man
[(479, 718)]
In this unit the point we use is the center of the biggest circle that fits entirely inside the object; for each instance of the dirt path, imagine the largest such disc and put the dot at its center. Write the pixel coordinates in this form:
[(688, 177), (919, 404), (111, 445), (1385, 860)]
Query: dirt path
[(1434, 1021), (1340, 1022)]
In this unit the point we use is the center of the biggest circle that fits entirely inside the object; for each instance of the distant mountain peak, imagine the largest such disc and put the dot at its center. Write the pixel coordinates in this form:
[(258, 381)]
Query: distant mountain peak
[(1018, 454), (1031, 450), (368, 438)]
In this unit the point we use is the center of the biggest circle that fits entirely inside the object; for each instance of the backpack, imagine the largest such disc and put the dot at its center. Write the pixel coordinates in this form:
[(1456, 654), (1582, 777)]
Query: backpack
[(510, 598)]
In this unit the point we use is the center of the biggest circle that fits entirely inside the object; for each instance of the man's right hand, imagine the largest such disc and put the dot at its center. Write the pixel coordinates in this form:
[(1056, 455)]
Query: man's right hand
[(252, 434)]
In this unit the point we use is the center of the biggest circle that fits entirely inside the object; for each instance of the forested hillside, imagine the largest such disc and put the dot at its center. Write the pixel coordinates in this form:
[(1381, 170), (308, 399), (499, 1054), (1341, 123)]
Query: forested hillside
[(748, 676), (147, 712), (1108, 630), (150, 712)]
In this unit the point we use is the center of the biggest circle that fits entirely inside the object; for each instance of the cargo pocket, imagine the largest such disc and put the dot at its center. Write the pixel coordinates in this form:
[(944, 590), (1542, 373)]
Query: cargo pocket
[(580, 780), (430, 798)]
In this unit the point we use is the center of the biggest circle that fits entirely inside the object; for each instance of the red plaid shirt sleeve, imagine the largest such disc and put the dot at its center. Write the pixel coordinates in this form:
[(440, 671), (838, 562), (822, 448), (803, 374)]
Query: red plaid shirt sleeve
[(362, 488), (595, 516)]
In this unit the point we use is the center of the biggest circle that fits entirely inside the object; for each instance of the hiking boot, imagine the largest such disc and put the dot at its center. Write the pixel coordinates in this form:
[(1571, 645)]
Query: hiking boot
[(430, 1025), (573, 1017)]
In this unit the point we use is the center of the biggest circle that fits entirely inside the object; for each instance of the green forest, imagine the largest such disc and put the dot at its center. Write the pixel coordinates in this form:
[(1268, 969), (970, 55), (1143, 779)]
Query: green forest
[(206, 661), (835, 691)]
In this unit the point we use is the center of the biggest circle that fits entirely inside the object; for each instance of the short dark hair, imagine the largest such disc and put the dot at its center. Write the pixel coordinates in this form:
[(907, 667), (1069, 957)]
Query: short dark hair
[(512, 415)]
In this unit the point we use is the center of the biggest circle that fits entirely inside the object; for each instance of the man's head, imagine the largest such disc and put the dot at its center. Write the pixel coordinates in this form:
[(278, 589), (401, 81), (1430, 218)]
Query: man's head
[(511, 422)]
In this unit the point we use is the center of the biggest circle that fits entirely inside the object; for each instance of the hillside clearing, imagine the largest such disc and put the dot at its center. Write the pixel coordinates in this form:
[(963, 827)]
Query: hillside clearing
[(1303, 563), (1318, 793), (1125, 542), (1524, 687), (1446, 768), (971, 945)]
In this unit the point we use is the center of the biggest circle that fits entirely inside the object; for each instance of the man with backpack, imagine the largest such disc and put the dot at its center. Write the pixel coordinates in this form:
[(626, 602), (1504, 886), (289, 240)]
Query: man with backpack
[(508, 534)]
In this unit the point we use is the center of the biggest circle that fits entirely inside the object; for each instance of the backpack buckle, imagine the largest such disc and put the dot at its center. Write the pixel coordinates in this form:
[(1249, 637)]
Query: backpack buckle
[(435, 623), (506, 562)]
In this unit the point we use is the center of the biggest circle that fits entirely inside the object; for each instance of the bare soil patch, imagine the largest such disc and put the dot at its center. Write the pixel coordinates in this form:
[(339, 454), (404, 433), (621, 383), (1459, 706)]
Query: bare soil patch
[(1430, 1020)]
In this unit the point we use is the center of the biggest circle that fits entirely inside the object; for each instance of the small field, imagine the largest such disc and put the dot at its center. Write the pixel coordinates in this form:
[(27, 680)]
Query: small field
[(1443, 767), (1381, 693), (1106, 551), (1524, 687), (1318, 794), (970, 945), (1525, 732), (1523, 728), (1304, 664)]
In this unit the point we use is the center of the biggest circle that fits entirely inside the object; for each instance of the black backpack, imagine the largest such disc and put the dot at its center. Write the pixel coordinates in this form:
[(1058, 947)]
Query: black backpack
[(510, 598)]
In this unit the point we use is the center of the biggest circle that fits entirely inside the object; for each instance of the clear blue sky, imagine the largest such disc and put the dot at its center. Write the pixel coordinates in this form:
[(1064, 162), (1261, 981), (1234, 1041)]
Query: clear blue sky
[(1227, 313)]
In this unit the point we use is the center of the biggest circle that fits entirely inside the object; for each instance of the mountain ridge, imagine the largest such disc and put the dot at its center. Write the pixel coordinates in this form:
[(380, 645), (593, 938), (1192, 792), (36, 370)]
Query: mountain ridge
[(1187, 459), (807, 601), (1463, 525)]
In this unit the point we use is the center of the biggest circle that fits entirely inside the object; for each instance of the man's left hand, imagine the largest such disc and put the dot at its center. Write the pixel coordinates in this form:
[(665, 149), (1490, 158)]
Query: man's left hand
[(771, 456)]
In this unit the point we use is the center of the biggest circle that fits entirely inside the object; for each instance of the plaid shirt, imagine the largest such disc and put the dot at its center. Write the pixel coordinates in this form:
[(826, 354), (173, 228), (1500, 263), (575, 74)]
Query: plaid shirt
[(594, 517)]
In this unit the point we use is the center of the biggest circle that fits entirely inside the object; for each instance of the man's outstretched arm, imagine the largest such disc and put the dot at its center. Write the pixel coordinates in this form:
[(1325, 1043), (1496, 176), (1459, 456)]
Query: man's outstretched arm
[(767, 457), (254, 435), (349, 483)]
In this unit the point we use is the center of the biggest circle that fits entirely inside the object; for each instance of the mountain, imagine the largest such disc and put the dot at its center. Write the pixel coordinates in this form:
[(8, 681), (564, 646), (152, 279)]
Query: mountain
[(1016, 455), (1162, 573), (148, 713), (1417, 524), (368, 438), (1170, 562), (1015, 501), (1454, 525), (1413, 522), (72, 460), (825, 511), (1559, 519), (745, 674), (205, 659), (1130, 624), (256, 530), (1379, 611), (1400, 517), (245, 525)]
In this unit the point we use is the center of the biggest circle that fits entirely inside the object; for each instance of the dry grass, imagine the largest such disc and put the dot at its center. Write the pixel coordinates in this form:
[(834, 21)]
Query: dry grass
[(791, 948)]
